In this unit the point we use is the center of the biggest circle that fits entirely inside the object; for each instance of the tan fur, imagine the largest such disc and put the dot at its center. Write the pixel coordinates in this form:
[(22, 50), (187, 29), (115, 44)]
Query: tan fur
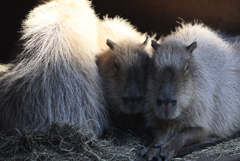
[(123, 71)]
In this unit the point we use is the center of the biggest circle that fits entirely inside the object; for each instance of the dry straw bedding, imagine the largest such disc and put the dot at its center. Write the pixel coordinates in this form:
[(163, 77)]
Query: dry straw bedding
[(72, 142), (64, 142)]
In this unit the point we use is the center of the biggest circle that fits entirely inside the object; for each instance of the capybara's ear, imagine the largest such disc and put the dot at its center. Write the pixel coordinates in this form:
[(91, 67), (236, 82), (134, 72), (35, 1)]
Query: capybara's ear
[(155, 45), (111, 44), (192, 46)]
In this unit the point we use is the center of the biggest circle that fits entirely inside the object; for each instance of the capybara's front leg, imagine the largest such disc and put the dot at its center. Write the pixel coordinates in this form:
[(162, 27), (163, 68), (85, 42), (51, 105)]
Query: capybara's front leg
[(183, 138)]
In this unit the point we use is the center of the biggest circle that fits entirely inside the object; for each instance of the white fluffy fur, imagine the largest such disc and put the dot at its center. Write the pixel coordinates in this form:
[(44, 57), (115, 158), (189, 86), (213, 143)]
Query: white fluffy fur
[(55, 78)]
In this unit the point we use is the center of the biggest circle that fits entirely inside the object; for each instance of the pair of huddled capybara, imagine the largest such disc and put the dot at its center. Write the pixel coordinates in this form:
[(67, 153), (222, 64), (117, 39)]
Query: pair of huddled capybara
[(184, 88)]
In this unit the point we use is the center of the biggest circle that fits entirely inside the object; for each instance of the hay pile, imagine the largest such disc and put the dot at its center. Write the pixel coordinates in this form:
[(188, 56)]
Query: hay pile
[(225, 149), (72, 142), (65, 142)]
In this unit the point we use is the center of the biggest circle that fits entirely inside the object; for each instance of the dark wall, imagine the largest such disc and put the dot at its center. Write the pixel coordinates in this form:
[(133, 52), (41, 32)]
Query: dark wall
[(11, 14), (161, 15), (147, 15)]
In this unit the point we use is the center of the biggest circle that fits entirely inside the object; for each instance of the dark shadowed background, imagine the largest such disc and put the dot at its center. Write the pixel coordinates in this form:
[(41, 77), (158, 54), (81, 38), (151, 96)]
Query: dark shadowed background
[(158, 16)]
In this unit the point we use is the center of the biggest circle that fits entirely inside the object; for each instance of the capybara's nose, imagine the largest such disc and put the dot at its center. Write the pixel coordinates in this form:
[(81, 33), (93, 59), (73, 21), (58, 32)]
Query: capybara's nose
[(132, 96), (167, 102)]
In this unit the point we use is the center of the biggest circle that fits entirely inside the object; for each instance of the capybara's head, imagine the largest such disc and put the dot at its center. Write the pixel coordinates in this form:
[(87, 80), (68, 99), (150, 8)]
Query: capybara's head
[(124, 72), (170, 79)]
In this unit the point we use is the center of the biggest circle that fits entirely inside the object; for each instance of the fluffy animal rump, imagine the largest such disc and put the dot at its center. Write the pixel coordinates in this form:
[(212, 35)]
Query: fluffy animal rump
[(55, 77), (193, 90)]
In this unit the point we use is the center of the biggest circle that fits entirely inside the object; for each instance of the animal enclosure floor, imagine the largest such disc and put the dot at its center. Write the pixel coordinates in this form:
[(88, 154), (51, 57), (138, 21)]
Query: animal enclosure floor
[(219, 158), (223, 150), (70, 142)]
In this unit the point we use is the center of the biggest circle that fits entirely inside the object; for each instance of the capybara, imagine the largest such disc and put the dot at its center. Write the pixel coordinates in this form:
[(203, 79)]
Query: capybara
[(193, 90), (55, 77), (123, 66)]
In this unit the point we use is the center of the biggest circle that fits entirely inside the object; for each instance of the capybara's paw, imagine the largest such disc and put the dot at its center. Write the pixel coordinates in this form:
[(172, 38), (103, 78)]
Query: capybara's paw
[(169, 150), (151, 152)]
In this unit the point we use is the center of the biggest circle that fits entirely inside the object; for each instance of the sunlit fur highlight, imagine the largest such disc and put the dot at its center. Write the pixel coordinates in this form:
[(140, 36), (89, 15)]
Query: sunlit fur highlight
[(4, 67), (123, 33), (55, 77)]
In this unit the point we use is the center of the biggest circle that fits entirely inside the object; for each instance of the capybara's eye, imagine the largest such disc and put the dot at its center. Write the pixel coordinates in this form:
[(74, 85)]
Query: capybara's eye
[(116, 65), (186, 68)]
